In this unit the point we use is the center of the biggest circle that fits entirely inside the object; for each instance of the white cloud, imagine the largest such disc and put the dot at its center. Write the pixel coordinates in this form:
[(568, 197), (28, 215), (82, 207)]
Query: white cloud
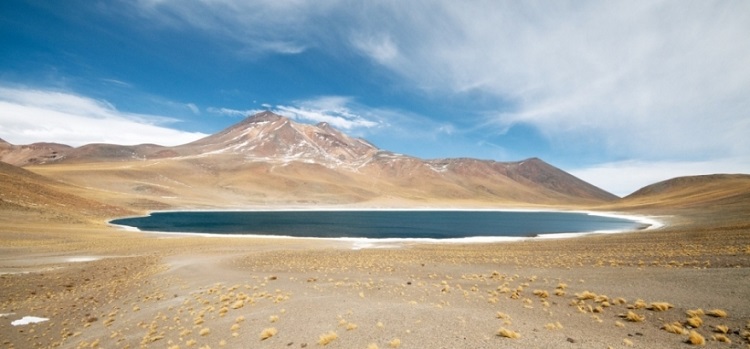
[(33, 115), (625, 177), (233, 112), (381, 48), (665, 83), (638, 78), (193, 108), (331, 109)]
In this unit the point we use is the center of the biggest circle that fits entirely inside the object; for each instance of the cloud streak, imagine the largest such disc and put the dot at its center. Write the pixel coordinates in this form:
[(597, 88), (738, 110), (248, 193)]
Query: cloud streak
[(652, 79), (34, 115)]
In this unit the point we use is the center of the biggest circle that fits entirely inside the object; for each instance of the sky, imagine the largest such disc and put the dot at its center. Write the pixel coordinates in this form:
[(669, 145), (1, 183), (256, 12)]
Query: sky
[(621, 94)]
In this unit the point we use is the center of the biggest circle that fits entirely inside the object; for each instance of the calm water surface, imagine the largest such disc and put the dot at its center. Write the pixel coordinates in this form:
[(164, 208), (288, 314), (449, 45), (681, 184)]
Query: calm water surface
[(378, 224)]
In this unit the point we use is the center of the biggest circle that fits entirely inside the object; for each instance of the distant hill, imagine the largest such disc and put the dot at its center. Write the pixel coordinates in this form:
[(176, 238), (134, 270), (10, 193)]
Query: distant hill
[(694, 191), (24, 192), (268, 158)]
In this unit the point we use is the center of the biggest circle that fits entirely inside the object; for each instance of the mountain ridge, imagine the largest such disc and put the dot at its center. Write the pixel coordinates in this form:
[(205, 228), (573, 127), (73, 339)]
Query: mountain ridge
[(270, 157)]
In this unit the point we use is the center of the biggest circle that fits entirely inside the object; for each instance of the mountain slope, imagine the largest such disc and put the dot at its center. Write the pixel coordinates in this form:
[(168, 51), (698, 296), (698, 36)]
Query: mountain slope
[(268, 158), (23, 192), (718, 190)]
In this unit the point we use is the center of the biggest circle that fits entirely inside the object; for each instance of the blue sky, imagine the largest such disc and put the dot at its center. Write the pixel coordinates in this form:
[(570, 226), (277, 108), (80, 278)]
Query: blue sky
[(619, 93)]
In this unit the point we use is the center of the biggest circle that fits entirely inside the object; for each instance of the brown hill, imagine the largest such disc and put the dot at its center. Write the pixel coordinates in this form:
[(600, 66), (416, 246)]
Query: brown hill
[(715, 191), (268, 158), (24, 193)]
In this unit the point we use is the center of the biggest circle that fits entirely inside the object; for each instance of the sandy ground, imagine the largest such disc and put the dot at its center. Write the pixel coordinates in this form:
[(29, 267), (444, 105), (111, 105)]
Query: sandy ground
[(103, 287)]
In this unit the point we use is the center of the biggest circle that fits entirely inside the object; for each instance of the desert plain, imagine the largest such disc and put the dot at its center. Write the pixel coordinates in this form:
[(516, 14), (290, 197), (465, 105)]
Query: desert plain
[(682, 284)]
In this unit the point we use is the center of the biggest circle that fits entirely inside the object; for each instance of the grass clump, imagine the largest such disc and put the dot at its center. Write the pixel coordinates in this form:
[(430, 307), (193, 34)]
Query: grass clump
[(722, 329), (674, 327), (695, 338), (717, 313), (586, 295), (694, 321), (268, 333), (327, 338), (721, 338), (638, 304), (659, 306), (541, 293), (504, 332), (395, 343), (633, 317)]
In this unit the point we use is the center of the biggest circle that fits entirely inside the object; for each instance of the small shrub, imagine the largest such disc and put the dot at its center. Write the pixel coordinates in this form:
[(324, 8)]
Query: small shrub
[(633, 317), (327, 338), (695, 321), (504, 332), (585, 295), (721, 338), (717, 313), (695, 338), (674, 327), (659, 306), (268, 333)]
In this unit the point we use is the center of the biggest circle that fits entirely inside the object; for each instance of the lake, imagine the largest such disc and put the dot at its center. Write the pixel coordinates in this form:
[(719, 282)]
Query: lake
[(381, 224)]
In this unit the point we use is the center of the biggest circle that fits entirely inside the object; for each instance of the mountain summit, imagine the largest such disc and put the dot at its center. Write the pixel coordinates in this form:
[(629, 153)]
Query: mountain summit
[(269, 137), (270, 157)]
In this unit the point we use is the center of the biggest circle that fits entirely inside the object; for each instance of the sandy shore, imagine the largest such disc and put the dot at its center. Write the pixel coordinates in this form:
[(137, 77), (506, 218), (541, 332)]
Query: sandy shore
[(104, 287)]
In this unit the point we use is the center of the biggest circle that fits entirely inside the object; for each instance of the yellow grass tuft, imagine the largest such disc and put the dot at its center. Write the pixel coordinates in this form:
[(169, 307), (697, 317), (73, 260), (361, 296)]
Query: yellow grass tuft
[(627, 342), (638, 304), (674, 327), (541, 293), (562, 286), (553, 326), (695, 312), (695, 321), (659, 306), (722, 329), (695, 338), (235, 328), (273, 318), (586, 295), (372, 346), (504, 332), (268, 333), (350, 326), (619, 300), (717, 313), (721, 338), (205, 331), (395, 343), (501, 315), (559, 292), (238, 304), (327, 338), (633, 317)]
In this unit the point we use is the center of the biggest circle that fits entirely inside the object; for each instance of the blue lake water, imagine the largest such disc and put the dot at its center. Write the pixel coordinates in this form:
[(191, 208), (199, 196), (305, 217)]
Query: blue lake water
[(378, 224)]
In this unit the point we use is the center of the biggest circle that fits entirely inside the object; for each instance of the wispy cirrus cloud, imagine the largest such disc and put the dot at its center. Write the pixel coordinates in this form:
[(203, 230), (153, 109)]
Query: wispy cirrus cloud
[(333, 110), (233, 112), (29, 115), (632, 77)]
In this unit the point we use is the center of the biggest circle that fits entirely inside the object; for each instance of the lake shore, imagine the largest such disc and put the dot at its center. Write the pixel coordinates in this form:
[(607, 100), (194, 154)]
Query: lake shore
[(103, 287)]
